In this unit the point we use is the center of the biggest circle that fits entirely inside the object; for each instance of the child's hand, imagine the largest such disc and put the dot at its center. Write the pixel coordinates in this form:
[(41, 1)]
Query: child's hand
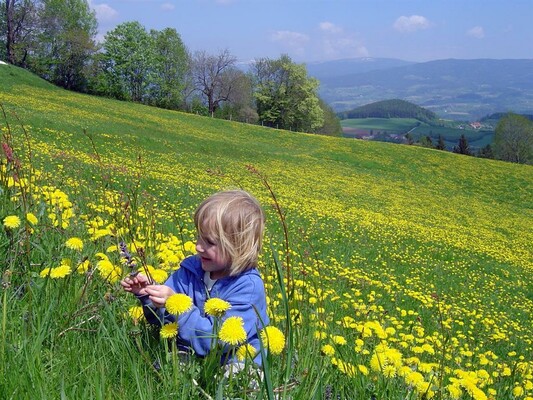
[(159, 294), (135, 284)]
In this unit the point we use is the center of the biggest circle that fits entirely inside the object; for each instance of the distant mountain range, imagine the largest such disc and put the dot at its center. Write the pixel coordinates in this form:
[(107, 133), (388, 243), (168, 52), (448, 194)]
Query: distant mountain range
[(453, 89)]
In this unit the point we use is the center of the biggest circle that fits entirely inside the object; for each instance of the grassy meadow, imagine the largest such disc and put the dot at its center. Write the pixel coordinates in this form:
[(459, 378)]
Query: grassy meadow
[(394, 272)]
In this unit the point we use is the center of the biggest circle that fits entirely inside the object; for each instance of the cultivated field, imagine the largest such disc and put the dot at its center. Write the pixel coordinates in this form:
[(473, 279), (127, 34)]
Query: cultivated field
[(450, 131)]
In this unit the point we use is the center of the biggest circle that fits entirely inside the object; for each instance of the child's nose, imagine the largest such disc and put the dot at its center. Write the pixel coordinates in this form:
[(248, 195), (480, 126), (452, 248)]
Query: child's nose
[(199, 248)]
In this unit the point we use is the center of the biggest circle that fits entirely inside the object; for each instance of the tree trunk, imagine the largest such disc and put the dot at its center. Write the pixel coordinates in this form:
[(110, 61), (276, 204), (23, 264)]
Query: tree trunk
[(10, 37)]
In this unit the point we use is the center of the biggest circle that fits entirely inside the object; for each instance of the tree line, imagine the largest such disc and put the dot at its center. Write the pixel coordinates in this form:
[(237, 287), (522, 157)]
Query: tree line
[(56, 39), (513, 141)]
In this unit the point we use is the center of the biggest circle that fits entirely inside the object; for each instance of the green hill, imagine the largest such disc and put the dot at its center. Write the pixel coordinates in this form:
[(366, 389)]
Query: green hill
[(394, 108), (404, 271)]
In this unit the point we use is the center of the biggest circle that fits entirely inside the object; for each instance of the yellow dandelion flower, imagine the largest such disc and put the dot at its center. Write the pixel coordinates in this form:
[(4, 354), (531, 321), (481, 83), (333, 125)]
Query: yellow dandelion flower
[(74, 243), (108, 271), (320, 335), (136, 313), (232, 331), (11, 222), (159, 275), (246, 351), (518, 391), (363, 369), (389, 371), (189, 247), (31, 218), (216, 307), (328, 350), (58, 272), (273, 339), (45, 272), (339, 340), (178, 304), (83, 267), (414, 378), (169, 331), (455, 391)]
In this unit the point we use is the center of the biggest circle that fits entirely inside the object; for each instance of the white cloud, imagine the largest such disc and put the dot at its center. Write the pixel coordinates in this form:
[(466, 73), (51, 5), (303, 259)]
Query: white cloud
[(104, 12), (343, 47), (329, 27), (167, 7), (411, 23), (295, 41), (335, 43), (292, 37), (476, 32)]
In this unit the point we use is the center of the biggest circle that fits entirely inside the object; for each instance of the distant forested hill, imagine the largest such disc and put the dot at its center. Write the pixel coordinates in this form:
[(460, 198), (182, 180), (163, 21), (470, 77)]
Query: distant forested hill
[(394, 108), (494, 118)]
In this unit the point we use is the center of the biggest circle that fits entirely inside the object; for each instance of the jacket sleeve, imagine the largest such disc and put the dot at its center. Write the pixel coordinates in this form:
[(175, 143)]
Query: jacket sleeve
[(154, 315)]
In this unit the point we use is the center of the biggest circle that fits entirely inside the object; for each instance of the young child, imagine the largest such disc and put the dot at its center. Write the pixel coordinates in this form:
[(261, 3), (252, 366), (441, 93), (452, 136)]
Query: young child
[(230, 228)]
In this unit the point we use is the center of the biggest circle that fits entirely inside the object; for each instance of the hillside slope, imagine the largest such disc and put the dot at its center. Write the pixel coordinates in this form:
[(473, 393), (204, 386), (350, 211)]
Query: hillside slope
[(360, 175), (416, 253)]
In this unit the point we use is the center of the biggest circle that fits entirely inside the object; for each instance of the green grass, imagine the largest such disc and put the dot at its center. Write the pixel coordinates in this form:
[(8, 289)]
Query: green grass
[(388, 244)]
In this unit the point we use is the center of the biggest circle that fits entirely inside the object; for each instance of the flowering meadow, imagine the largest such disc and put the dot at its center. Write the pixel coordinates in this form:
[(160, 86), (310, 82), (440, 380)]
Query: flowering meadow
[(392, 271)]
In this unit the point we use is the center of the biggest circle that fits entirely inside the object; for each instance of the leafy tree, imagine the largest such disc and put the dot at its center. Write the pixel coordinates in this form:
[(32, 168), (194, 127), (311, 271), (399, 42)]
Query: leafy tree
[(409, 138), (285, 96), (65, 42), (214, 76), (332, 125), (462, 146), (513, 139), (485, 152), (18, 27), (440, 143), (170, 69), (126, 63), (240, 104), (425, 141)]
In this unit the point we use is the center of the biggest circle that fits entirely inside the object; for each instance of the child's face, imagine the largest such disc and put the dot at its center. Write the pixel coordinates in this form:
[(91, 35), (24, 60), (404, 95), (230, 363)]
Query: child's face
[(211, 256)]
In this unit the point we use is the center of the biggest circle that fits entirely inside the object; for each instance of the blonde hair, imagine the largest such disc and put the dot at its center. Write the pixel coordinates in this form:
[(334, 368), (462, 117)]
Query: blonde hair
[(235, 219)]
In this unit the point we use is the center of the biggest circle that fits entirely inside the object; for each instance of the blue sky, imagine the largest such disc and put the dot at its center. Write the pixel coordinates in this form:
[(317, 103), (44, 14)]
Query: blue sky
[(320, 30)]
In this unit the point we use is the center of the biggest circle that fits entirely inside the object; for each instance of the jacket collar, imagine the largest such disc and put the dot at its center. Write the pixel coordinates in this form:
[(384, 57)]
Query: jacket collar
[(194, 265)]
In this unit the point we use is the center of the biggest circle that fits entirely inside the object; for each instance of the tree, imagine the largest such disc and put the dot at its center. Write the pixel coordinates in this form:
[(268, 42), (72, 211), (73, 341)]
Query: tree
[(462, 146), (66, 42), (214, 77), (285, 96), (513, 139), (171, 66), (425, 141), (17, 29), (126, 63), (332, 125), (440, 143), (240, 103), (485, 152)]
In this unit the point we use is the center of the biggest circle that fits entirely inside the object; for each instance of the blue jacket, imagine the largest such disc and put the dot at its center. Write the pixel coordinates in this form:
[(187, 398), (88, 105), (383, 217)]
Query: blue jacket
[(245, 292)]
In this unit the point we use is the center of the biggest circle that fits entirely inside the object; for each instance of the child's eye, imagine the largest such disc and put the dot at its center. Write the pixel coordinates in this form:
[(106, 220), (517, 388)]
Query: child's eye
[(208, 241)]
